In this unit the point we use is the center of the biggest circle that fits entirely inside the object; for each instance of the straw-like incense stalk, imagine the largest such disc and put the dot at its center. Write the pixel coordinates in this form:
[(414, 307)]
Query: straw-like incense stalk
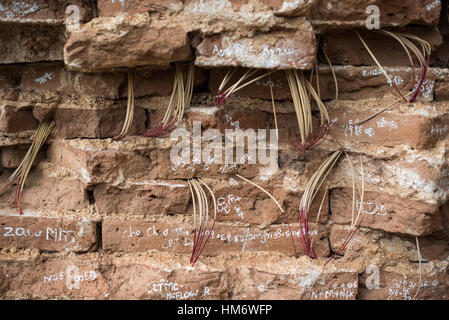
[(179, 101), (22, 171), (223, 94), (129, 107), (312, 188), (201, 217)]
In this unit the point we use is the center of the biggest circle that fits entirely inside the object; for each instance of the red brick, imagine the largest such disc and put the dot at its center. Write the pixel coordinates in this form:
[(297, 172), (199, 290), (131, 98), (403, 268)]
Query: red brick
[(109, 8), (177, 238), (389, 129), (101, 161), (138, 281), (346, 48), (396, 247), (400, 285), (50, 82), (49, 234), (353, 82), (442, 91), (96, 277), (443, 230), (146, 198), (75, 277), (387, 212), (11, 157)]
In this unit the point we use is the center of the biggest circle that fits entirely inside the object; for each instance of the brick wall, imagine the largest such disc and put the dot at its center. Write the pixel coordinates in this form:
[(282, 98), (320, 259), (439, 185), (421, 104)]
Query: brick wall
[(113, 219)]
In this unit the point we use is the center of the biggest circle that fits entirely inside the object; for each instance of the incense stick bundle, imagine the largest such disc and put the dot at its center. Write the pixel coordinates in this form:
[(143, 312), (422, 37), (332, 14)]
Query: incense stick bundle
[(22, 171)]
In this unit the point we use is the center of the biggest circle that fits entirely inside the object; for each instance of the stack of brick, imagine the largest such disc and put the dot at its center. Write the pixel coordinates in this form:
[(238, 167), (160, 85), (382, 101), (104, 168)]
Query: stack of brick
[(113, 219)]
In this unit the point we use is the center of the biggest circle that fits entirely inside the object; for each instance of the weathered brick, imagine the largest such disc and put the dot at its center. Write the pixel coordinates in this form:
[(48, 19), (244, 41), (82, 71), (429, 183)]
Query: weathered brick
[(346, 48), (47, 188), (91, 276), (74, 277), (108, 8), (443, 230), (139, 281), (390, 128), (143, 198), (136, 158), (273, 50), (14, 119), (42, 11), (125, 41), (353, 82), (50, 82), (386, 212), (177, 237), (44, 43), (400, 174), (49, 234), (302, 282), (95, 119), (235, 202), (328, 14), (259, 89), (103, 122), (11, 157), (398, 284)]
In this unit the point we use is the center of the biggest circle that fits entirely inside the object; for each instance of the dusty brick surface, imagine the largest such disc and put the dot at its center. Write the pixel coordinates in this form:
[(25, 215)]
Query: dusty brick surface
[(48, 189), (41, 11), (330, 13), (159, 46)]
